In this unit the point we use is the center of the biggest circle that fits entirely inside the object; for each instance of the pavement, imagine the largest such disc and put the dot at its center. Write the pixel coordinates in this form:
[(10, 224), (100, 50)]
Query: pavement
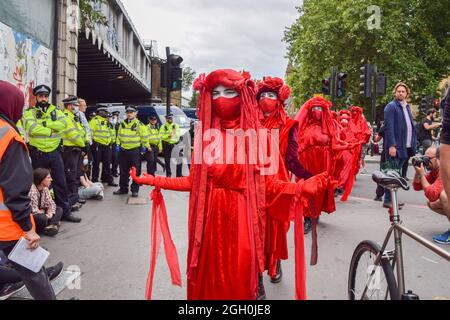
[(110, 247)]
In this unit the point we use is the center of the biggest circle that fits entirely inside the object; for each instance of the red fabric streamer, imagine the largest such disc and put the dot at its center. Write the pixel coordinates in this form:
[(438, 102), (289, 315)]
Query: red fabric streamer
[(160, 226)]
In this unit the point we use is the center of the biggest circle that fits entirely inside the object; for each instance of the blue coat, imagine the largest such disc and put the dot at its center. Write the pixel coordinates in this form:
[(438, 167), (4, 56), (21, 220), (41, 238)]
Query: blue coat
[(396, 131)]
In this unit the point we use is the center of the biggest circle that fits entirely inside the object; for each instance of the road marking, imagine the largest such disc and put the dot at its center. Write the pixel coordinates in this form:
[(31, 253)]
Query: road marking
[(429, 260)]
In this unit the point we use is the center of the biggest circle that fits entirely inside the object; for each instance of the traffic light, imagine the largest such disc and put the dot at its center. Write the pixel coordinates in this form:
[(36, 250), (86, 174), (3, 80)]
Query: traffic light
[(341, 85), (172, 73), (366, 81), (381, 84), (326, 86)]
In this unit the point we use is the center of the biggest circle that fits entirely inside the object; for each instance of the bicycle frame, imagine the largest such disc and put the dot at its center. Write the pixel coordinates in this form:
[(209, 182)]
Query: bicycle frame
[(398, 230)]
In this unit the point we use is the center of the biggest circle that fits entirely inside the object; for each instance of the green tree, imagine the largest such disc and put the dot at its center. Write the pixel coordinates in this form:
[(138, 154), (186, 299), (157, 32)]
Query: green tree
[(188, 78), (90, 16), (193, 101), (412, 45)]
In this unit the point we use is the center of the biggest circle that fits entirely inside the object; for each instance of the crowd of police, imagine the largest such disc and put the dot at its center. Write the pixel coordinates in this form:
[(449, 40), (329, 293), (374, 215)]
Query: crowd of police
[(65, 141)]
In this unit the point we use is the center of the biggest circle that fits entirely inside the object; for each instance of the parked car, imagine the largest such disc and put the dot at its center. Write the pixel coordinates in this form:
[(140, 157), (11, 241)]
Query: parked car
[(112, 107), (191, 113), (159, 110)]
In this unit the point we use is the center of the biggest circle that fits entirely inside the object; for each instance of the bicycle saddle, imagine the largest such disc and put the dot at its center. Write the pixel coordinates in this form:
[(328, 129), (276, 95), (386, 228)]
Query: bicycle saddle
[(390, 179)]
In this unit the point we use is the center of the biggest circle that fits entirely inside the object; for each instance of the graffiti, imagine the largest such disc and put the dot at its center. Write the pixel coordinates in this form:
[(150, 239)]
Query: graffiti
[(24, 62)]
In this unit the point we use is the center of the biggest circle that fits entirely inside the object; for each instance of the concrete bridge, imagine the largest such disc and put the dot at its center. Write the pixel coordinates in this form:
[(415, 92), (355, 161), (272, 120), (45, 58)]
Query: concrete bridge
[(113, 65)]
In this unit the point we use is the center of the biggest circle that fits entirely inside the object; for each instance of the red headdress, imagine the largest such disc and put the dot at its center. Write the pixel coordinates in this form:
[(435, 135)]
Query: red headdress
[(345, 114), (283, 92), (248, 120), (304, 116)]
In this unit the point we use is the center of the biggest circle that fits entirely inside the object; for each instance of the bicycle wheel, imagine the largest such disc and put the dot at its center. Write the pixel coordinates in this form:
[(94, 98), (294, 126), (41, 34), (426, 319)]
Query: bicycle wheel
[(382, 284)]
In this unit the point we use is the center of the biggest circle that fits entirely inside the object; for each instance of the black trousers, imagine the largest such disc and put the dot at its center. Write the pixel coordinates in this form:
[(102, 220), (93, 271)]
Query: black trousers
[(114, 160), (167, 151), (71, 157), (42, 221), (37, 284), (54, 162), (380, 190), (101, 154), (127, 160), (152, 159)]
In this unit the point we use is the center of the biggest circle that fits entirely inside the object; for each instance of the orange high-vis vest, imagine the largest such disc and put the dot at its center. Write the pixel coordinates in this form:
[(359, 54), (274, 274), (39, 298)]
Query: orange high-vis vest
[(9, 229)]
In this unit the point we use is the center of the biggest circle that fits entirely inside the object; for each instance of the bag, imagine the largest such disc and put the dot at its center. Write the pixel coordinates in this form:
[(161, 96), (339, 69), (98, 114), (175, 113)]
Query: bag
[(391, 165)]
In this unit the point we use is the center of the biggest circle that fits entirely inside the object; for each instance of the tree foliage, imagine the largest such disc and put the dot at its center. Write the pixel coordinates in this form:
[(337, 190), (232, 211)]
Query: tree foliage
[(90, 14), (188, 78), (194, 98), (412, 45)]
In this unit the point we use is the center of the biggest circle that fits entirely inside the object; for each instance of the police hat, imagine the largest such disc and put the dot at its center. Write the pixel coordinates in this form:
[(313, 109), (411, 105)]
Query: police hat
[(71, 100), (152, 117), (116, 113), (130, 109), (170, 115), (100, 109), (42, 89)]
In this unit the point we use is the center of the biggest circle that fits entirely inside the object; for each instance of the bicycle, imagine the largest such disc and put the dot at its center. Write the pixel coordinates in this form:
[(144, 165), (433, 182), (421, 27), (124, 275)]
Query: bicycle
[(365, 279)]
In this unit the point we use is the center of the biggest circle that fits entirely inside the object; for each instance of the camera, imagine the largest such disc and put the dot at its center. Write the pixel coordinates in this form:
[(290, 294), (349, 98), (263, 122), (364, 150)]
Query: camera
[(418, 160)]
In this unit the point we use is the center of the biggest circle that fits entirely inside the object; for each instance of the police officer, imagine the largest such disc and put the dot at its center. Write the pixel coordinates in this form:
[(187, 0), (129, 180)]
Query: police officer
[(102, 138), (170, 136), (132, 140), (155, 145), (75, 141), (45, 124), (115, 155)]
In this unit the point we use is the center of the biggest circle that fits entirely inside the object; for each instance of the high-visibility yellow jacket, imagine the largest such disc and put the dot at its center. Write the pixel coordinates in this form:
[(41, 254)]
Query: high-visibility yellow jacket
[(154, 137), (101, 131), (75, 134), (132, 134), (44, 129), (21, 128), (170, 133)]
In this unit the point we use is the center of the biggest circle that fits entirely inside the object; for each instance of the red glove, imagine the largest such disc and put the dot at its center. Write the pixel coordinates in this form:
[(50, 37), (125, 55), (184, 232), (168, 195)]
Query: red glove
[(146, 178)]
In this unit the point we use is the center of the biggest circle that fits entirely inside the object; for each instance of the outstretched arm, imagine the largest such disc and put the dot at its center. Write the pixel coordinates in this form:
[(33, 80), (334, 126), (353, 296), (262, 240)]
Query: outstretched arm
[(176, 184)]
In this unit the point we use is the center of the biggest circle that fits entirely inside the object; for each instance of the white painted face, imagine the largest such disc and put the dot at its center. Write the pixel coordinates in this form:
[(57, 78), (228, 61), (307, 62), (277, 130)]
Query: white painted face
[(269, 95), (221, 91)]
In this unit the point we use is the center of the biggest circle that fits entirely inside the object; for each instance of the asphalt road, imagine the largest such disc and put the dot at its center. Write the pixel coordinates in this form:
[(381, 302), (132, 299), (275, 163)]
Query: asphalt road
[(111, 247)]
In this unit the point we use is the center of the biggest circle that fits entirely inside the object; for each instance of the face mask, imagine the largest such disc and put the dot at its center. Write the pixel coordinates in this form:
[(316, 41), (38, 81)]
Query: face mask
[(76, 110), (268, 105), (85, 162), (316, 113), (227, 108)]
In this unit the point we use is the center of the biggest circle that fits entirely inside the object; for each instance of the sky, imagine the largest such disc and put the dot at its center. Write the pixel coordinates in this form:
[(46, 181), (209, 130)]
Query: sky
[(214, 34)]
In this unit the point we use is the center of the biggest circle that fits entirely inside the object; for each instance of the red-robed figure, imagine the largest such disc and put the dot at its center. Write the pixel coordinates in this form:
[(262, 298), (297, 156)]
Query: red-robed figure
[(271, 97), (319, 144), (349, 156), (358, 125), (227, 198)]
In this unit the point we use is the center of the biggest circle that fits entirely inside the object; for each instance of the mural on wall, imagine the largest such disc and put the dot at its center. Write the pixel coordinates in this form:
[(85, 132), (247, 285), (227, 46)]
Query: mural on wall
[(24, 62)]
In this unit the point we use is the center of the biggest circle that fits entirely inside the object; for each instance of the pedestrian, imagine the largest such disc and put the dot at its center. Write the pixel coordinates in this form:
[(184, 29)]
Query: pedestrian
[(87, 129), (227, 201), (379, 192), (400, 138), (45, 125), (170, 136), (433, 188), (16, 178), (75, 141), (115, 155), (271, 96), (46, 214), (102, 137), (425, 135), (155, 145), (132, 141)]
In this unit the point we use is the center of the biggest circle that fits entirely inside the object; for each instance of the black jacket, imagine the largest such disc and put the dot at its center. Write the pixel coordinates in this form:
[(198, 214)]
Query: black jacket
[(16, 177), (445, 134)]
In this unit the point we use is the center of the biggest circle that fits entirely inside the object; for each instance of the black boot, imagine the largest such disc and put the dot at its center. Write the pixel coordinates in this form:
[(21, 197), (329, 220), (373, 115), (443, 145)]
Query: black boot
[(278, 275), (261, 291)]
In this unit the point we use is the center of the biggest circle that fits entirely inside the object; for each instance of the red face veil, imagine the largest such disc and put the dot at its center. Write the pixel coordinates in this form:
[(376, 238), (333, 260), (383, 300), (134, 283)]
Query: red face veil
[(273, 107), (227, 108)]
